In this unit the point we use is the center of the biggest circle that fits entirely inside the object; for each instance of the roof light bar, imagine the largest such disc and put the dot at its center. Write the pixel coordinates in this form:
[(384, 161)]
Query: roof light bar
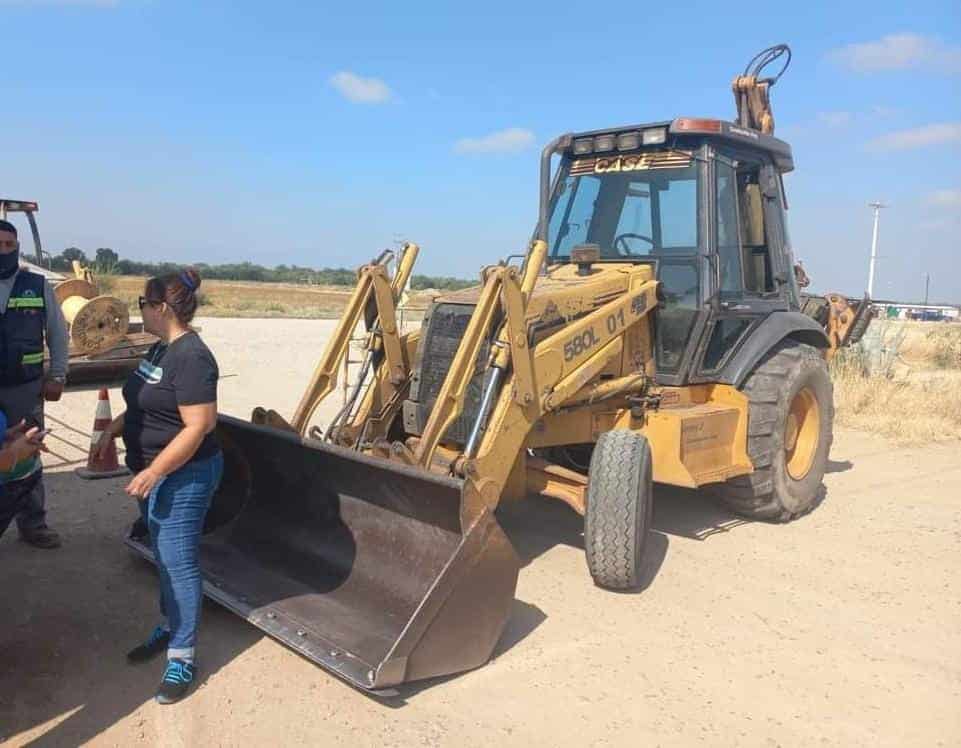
[(628, 141), (583, 146), (604, 143), (654, 136)]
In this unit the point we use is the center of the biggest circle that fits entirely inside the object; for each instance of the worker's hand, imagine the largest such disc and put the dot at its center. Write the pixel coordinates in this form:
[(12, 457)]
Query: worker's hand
[(52, 390), (14, 431), (143, 483), (29, 443)]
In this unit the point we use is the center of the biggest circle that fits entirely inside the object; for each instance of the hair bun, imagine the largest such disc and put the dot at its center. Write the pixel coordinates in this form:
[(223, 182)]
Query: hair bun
[(190, 278)]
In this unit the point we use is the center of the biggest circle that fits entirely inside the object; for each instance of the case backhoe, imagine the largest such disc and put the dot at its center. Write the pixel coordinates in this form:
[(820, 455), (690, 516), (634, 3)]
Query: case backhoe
[(653, 333)]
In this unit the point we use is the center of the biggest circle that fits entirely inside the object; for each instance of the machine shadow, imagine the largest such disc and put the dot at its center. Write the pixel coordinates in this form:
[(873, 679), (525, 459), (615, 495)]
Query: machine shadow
[(838, 466), (536, 525), (524, 619), (692, 514), (70, 616)]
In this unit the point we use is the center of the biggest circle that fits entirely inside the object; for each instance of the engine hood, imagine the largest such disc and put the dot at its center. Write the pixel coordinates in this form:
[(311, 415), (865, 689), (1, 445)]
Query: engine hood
[(562, 294)]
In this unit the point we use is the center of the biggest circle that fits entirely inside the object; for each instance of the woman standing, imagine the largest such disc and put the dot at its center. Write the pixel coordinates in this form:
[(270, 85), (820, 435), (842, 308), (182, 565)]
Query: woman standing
[(168, 432)]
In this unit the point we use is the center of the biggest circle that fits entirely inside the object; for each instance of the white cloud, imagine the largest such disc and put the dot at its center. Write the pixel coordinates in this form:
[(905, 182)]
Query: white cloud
[(360, 90), (919, 137), (904, 51), (944, 198), (511, 140), (835, 119)]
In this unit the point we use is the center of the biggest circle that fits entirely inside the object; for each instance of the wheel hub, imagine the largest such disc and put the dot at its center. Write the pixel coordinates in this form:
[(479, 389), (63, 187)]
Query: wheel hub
[(802, 433)]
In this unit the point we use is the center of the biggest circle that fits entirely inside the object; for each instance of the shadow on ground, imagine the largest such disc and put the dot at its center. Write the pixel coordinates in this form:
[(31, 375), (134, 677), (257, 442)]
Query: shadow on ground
[(70, 615), (839, 466), (536, 525)]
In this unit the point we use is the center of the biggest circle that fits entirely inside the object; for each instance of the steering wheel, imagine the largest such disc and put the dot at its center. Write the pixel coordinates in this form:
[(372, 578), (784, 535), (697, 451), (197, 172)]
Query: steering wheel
[(626, 251)]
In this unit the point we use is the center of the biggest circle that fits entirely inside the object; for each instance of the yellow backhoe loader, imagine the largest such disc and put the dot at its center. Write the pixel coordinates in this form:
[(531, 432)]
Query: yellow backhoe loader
[(652, 333)]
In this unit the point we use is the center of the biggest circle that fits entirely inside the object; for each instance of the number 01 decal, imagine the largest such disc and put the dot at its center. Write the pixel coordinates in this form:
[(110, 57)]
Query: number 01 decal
[(615, 321)]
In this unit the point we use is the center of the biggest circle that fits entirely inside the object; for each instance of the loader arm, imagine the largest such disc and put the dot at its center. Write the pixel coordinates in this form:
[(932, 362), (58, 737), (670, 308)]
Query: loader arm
[(374, 287), (513, 333), (523, 384), (563, 365)]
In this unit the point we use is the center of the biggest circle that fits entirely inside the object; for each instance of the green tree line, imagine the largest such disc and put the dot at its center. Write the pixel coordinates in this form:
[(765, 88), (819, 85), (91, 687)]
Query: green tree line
[(107, 262)]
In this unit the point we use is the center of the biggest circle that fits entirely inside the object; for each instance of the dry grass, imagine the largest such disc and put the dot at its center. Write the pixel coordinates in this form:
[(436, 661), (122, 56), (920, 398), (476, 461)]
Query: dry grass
[(928, 345), (918, 399), (249, 299), (242, 299)]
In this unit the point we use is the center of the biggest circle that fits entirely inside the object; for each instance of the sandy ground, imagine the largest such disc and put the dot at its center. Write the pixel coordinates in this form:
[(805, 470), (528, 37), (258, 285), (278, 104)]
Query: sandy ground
[(843, 628)]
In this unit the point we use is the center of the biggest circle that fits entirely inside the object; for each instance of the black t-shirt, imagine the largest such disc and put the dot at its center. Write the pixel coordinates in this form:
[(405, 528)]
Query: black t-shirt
[(182, 373)]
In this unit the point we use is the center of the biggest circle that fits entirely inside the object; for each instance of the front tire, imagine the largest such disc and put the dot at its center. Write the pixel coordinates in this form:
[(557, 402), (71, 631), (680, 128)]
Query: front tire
[(619, 509), (790, 429)]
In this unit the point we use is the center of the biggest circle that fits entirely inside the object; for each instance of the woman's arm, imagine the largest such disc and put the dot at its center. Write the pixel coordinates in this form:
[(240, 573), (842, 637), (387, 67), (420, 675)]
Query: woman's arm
[(199, 420)]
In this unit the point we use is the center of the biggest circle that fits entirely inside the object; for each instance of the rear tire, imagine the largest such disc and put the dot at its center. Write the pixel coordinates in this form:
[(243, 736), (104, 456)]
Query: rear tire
[(790, 429), (619, 509)]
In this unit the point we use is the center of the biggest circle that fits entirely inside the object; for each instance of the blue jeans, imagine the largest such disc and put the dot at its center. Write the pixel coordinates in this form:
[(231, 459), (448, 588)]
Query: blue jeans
[(23, 499), (174, 512)]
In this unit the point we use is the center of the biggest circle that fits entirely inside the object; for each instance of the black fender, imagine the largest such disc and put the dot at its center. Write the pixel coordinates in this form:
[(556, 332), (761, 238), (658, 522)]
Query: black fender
[(775, 328)]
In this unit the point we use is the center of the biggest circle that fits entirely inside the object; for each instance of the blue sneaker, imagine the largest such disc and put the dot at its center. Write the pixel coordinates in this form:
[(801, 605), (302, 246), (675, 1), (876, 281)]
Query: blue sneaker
[(176, 682), (156, 644)]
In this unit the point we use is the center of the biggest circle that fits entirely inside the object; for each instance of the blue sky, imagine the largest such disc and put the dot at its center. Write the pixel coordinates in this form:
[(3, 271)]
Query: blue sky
[(289, 132)]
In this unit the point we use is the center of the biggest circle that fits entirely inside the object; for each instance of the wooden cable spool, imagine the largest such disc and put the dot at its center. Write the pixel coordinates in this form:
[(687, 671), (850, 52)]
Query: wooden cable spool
[(97, 323)]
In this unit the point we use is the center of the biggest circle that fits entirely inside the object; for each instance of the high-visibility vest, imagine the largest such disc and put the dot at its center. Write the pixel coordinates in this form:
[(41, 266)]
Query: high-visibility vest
[(22, 331)]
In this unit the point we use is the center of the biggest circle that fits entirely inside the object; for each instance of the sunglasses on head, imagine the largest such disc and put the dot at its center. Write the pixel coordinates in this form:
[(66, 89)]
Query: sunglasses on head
[(143, 301)]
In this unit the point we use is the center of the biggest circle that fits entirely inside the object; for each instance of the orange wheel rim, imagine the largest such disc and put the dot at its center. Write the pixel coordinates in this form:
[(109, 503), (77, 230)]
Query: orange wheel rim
[(802, 433)]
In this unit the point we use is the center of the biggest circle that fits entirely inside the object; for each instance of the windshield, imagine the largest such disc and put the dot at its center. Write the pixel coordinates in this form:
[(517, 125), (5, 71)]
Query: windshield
[(630, 205)]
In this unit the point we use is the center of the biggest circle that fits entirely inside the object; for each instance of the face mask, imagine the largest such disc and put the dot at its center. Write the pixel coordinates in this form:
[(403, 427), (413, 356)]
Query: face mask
[(9, 263)]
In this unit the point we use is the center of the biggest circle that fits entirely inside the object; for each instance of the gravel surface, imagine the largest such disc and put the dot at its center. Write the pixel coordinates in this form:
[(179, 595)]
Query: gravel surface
[(840, 629)]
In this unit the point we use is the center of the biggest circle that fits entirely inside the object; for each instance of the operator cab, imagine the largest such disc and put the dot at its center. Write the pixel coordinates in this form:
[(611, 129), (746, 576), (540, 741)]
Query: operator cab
[(703, 201)]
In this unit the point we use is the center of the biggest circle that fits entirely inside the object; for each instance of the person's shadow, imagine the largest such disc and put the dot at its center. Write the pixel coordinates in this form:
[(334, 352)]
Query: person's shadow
[(70, 615)]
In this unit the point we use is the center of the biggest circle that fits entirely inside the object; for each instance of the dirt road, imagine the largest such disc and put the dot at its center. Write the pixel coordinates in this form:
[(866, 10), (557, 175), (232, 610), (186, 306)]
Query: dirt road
[(843, 628)]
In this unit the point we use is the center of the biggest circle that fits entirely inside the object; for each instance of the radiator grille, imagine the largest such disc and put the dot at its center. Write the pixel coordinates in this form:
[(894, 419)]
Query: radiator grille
[(441, 334)]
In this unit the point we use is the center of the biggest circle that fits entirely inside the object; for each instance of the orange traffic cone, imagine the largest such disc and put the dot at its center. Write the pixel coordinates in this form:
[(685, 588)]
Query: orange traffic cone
[(108, 467)]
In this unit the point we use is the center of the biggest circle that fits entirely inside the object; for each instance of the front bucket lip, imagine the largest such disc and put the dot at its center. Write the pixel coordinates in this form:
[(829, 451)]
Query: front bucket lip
[(295, 438), (286, 630)]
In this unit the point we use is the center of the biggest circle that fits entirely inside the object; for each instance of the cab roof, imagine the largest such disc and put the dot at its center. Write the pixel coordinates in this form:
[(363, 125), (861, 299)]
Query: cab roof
[(18, 206), (630, 137)]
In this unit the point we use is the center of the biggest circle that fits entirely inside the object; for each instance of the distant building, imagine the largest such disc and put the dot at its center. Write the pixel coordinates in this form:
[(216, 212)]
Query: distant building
[(916, 311)]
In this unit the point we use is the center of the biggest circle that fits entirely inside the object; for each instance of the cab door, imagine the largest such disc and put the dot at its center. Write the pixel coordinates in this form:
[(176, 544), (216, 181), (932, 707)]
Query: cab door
[(747, 276)]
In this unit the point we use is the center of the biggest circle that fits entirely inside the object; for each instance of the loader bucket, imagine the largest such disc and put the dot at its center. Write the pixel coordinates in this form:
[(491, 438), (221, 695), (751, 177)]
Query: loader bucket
[(360, 564)]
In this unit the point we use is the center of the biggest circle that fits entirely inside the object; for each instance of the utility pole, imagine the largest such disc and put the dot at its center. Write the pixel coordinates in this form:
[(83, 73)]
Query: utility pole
[(927, 285), (874, 247)]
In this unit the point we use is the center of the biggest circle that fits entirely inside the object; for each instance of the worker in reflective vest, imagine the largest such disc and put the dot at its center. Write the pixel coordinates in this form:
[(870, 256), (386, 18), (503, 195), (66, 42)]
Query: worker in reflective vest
[(29, 317)]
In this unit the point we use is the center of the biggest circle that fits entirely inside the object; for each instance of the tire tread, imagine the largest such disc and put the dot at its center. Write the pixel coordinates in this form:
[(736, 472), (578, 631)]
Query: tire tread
[(755, 495)]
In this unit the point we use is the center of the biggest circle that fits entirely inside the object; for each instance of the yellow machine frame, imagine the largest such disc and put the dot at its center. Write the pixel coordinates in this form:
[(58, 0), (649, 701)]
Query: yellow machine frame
[(553, 394)]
